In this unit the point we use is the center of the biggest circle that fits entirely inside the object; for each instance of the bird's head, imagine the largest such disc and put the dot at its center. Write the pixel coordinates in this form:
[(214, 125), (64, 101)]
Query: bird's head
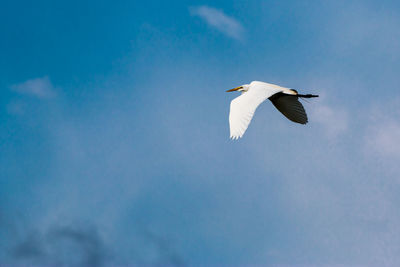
[(243, 88)]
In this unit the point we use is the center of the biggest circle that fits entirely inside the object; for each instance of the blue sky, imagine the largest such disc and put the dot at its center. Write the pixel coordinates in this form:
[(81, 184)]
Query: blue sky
[(115, 145)]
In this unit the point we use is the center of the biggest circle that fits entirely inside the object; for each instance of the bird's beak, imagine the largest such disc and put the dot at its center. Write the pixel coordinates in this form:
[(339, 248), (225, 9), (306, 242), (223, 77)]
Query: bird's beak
[(235, 89)]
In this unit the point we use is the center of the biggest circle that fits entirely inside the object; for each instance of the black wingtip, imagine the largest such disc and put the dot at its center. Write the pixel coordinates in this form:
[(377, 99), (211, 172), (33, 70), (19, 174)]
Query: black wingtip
[(307, 95)]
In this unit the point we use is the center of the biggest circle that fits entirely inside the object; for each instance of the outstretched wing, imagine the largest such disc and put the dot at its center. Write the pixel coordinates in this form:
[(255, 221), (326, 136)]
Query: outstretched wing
[(290, 106), (243, 108)]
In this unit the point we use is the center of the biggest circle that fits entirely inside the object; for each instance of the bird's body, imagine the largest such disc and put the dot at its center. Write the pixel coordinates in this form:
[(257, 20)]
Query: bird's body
[(253, 94)]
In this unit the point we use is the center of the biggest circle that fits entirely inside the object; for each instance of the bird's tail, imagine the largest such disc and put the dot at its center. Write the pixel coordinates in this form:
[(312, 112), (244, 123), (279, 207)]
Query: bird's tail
[(307, 95)]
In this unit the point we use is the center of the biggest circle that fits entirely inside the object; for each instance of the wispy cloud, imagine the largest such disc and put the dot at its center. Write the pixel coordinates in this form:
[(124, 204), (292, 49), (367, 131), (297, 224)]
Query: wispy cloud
[(219, 20), (39, 87), (384, 139), (383, 133), (333, 120)]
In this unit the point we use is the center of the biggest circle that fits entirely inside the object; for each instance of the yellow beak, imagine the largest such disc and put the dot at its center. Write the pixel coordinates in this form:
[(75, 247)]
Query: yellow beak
[(235, 89)]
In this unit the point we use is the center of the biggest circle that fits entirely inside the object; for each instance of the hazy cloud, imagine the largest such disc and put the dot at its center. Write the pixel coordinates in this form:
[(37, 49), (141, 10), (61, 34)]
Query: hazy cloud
[(57, 244), (39, 87), (29, 249), (384, 139), (74, 245), (333, 120), (219, 20), (383, 132)]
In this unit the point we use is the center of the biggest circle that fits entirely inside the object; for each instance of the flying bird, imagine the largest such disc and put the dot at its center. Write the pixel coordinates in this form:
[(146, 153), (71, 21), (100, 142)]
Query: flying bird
[(243, 107)]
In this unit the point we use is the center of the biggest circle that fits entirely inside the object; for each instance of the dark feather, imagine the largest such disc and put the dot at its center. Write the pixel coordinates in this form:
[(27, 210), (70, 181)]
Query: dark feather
[(290, 106)]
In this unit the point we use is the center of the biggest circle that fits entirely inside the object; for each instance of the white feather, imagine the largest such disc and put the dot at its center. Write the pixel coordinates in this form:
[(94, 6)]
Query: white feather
[(244, 106)]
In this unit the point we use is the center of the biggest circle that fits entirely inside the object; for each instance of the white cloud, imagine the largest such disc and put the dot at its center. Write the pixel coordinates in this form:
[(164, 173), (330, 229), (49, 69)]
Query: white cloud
[(385, 139), (219, 20), (383, 134), (333, 120), (39, 87)]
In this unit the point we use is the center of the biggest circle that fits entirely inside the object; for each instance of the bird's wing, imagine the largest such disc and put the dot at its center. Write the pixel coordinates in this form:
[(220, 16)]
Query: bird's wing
[(243, 108), (290, 106)]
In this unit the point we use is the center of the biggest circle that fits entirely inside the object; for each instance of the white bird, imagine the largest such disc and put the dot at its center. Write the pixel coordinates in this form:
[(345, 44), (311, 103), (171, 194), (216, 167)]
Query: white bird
[(253, 94)]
